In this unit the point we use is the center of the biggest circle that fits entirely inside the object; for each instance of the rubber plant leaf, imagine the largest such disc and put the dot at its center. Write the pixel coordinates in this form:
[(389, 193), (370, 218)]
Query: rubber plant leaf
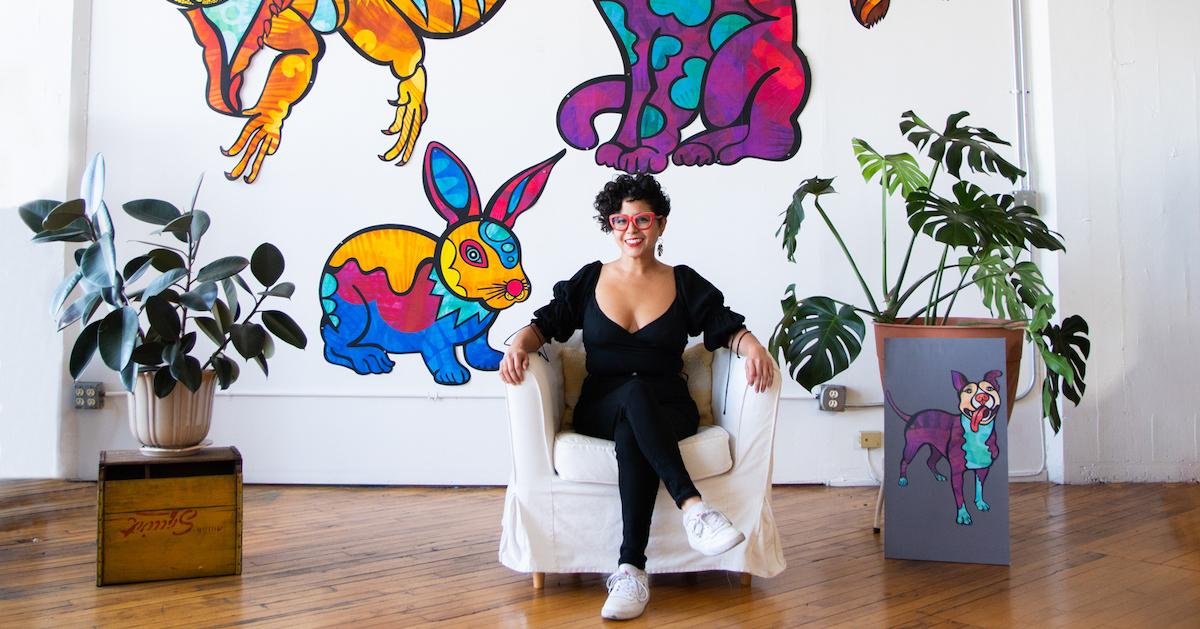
[(153, 211), (282, 326), (33, 213), (221, 268), (118, 334), (64, 214), (266, 264), (84, 348)]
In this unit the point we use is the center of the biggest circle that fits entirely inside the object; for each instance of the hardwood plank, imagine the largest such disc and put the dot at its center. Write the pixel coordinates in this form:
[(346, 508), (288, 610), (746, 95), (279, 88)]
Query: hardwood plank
[(1108, 555)]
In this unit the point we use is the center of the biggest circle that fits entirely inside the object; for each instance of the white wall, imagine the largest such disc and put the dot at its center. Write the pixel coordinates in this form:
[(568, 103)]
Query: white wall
[(1118, 140), (43, 70), (492, 98)]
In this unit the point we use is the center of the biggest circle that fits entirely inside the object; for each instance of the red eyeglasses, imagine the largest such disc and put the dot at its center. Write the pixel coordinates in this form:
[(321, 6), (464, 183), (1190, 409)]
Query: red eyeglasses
[(643, 220)]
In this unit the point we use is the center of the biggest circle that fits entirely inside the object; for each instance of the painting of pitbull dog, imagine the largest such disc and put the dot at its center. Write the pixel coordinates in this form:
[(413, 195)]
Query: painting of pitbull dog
[(966, 438)]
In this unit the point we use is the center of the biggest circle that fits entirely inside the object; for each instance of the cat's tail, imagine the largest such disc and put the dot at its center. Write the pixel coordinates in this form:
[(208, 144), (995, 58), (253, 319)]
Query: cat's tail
[(888, 395), (577, 112)]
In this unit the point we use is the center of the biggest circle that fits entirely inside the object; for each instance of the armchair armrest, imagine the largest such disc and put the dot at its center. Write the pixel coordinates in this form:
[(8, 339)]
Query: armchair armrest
[(535, 409), (748, 416)]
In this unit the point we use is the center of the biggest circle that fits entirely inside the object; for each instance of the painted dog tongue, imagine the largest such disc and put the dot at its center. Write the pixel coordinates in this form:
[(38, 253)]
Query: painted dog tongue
[(977, 417)]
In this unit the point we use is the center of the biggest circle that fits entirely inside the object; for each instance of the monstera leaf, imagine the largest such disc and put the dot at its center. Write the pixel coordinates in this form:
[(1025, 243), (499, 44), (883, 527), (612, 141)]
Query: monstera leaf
[(818, 338), (1065, 350), (897, 171), (1009, 288), (794, 214), (954, 142), (1023, 227), (958, 222)]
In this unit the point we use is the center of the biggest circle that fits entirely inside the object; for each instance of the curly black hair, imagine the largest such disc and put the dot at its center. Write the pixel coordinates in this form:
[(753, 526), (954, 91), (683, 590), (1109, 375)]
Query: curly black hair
[(630, 188)]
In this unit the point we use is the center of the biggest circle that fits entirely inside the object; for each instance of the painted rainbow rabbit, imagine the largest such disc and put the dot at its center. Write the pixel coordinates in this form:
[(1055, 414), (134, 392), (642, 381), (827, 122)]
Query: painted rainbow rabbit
[(396, 289)]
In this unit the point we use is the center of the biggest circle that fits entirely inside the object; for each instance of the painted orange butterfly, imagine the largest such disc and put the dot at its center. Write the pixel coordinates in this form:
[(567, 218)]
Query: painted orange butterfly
[(869, 12)]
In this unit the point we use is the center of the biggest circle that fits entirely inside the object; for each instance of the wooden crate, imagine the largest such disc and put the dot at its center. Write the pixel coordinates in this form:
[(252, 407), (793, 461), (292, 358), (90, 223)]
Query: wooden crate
[(168, 517)]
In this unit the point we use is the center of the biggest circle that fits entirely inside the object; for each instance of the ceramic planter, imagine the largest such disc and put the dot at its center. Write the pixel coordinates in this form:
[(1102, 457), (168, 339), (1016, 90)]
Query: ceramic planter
[(1013, 333), (177, 422)]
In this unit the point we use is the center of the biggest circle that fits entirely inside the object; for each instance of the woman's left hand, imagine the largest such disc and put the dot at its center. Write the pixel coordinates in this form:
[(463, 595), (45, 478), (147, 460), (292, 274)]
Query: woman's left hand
[(760, 369)]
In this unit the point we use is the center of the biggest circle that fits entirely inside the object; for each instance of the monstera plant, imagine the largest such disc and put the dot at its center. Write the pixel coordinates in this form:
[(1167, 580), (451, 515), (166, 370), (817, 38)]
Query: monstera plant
[(157, 301), (986, 242)]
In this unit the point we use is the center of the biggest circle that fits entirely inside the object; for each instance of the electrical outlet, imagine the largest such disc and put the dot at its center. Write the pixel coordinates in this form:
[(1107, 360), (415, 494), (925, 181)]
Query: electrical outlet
[(1025, 197), (870, 439), (832, 397), (89, 396)]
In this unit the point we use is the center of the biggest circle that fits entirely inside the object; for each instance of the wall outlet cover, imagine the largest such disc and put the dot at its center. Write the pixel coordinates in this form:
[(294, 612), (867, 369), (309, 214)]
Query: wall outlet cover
[(832, 397), (88, 396), (870, 439)]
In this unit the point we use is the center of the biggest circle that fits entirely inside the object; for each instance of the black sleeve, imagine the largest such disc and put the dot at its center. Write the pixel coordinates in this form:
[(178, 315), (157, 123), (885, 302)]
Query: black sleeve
[(559, 319), (706, 310)]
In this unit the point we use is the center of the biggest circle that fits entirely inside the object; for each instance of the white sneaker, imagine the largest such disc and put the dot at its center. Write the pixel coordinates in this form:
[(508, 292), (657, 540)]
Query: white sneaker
[(628, 593), (709, 531)]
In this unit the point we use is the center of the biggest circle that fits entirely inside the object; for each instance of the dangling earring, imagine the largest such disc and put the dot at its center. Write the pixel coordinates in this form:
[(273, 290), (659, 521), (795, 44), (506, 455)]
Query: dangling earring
[(660, 247)]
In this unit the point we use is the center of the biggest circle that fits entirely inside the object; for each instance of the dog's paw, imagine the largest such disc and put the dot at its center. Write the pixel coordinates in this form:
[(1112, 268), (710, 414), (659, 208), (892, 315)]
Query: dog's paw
[(940, 478), (981, 505), (964, 518), (643, 159), (903, 482)]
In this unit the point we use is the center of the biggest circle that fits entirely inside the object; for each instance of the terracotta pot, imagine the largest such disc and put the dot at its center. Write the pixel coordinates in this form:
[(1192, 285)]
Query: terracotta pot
[(180, 420), (1013, 333)]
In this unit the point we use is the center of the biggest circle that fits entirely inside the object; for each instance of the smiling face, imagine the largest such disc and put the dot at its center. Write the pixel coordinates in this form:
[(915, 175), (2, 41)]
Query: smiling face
[(637, 241), (481, 259), (979, 401)]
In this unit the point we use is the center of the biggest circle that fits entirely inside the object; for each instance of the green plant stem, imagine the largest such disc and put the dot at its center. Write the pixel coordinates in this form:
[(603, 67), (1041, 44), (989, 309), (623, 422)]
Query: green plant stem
[(229, 333), (901, 300), (916, 315), (912, 241), (157, 245), (850, 258), (937, 287), (961, 283), (854, 308), (884, 286)]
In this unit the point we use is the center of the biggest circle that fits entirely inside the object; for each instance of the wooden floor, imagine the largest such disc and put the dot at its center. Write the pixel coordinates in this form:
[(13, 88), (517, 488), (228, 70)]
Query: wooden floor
[(1095, 556)]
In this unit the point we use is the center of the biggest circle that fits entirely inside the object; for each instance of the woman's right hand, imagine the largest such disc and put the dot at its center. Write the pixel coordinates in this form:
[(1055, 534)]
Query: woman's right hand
[(513, 365)]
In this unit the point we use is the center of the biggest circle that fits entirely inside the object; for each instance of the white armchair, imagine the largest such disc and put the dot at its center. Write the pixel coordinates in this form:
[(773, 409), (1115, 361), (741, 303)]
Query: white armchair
[(562, 513)]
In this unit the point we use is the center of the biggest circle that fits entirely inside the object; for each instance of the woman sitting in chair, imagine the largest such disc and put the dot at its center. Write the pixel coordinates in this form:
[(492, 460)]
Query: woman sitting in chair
[(636, 314)]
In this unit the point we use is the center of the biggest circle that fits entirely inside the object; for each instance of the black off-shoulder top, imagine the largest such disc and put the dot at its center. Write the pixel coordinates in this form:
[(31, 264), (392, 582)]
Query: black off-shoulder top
[(654, 350)]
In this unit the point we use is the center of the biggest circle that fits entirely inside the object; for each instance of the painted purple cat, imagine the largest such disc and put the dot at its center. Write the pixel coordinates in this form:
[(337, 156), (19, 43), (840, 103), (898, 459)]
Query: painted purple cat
[(966, 439), (733, 63)]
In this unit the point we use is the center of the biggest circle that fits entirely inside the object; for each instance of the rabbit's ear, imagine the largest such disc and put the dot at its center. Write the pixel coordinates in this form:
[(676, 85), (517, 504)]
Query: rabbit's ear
[(449, 184), (521, 192)]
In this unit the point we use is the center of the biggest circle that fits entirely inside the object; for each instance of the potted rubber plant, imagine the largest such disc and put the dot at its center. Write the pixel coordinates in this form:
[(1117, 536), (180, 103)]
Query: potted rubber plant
[(142, 317), (987, 241)]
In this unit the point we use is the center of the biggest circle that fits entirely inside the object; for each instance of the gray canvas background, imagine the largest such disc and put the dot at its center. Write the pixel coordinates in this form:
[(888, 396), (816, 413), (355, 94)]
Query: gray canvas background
[(919, 519)]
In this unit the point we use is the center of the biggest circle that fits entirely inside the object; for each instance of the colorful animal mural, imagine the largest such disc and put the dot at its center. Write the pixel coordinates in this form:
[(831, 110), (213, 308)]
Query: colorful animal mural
[(869, 12), (966, 439), (396, 289), (731, 63), (385, 32)]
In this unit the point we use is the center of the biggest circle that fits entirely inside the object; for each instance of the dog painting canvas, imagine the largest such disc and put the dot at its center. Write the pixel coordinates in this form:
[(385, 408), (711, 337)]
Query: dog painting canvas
[(945, 443)]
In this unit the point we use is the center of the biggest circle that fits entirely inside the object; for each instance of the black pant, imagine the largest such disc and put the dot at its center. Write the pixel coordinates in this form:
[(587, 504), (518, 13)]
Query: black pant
[(646, 430)]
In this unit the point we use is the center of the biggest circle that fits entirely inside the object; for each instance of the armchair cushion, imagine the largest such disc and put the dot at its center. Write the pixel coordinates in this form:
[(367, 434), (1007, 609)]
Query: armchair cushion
[(586, 459)]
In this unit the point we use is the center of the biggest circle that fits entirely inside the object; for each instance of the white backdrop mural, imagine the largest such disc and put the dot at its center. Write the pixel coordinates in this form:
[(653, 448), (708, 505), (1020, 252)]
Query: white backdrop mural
[(494, 95)]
